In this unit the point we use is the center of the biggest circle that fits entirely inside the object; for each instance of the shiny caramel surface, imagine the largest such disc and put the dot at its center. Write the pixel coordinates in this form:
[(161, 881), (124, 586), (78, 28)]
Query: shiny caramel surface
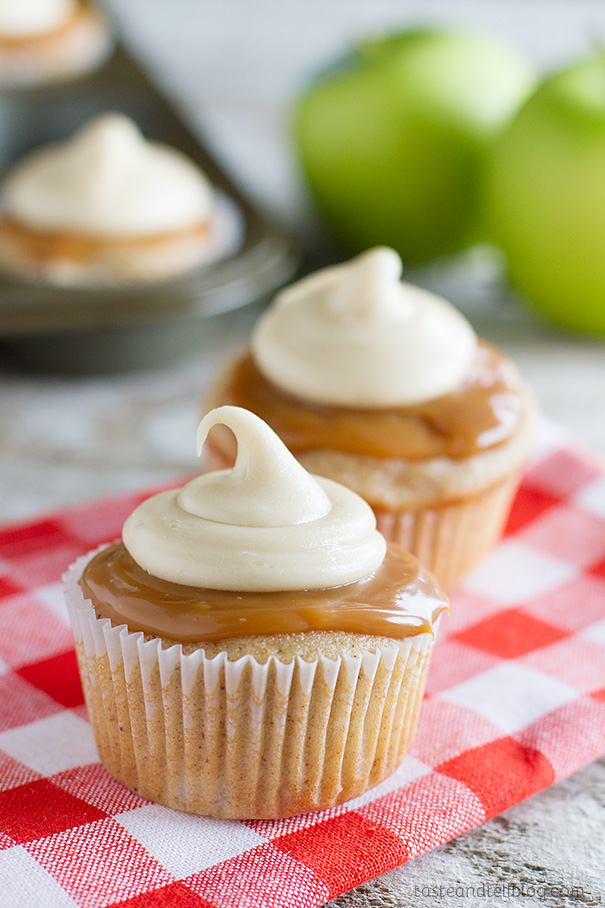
[(397, 600), (482, 413)]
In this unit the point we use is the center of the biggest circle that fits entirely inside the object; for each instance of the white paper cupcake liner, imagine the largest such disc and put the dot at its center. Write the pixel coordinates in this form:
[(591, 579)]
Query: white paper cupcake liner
[(239, 738), (450, 540)]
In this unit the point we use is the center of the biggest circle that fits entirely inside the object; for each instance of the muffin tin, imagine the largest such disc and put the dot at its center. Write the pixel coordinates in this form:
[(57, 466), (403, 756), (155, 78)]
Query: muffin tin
[(136, 326)]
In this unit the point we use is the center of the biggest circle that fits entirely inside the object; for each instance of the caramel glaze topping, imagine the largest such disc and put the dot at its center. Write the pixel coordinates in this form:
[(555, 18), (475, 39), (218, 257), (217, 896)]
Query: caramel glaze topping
[(398, 600), (77, 247), (482, 413)]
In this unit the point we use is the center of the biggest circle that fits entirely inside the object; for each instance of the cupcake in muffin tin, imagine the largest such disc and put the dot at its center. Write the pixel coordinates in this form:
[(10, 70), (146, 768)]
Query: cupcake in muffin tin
[(45, 41), (253, 647), (384, 387), (109, 208)]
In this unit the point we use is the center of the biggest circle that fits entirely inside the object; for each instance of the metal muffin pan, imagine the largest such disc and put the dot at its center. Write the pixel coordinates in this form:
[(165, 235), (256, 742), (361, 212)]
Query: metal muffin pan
[(136, 326)]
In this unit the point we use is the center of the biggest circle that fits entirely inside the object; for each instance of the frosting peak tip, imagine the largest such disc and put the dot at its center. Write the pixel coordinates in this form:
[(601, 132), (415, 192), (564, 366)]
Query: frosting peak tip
[(266, 524), (267, 486), (369, 282), (108, 130), (385, 263)]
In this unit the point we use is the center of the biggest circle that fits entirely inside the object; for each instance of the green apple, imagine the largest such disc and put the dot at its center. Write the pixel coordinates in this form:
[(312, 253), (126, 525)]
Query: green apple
[(394, 139), (546, 197)]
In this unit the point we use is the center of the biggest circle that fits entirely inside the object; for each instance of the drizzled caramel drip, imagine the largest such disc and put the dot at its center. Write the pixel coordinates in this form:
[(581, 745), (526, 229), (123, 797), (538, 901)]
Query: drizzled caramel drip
[(398, 600)]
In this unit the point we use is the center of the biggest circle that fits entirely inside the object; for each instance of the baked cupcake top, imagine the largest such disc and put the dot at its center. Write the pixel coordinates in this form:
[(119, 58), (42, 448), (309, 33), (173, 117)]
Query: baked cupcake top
[(108, 181), (22, 19), (262, 548)]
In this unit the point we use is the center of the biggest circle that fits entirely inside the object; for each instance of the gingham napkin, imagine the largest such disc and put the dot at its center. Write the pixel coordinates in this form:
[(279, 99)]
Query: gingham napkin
[(515, 701)]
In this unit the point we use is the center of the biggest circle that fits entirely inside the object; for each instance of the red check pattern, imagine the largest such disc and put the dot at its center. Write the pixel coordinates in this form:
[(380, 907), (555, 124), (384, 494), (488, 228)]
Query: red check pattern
[(515, 701)]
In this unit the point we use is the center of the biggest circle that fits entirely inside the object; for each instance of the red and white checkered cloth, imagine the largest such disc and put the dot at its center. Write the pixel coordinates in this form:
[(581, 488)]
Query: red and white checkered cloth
[(515, 701)]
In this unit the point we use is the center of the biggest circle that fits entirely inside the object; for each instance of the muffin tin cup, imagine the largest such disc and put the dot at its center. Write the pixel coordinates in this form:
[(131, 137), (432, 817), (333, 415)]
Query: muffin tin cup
[(114, 326), (450, 540), (241, 739)]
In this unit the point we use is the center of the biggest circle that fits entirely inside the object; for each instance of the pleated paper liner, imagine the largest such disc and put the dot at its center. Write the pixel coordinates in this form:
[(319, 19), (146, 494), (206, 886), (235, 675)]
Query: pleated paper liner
[(242, 739), (450, 540)]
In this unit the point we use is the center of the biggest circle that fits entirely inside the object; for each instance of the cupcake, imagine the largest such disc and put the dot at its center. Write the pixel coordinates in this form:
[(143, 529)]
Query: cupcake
[(49, 40), (107, 207), (384, 387), (252, 647)]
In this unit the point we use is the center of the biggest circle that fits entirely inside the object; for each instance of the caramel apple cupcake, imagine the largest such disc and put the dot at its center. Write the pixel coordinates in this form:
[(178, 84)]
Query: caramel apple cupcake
[(384, 387), (45, 41), (252, 647), (108, 207)]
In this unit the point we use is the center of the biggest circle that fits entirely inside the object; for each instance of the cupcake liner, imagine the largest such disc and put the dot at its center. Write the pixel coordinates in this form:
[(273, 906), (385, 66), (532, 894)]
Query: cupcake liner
[(452, 539), (241, 739)]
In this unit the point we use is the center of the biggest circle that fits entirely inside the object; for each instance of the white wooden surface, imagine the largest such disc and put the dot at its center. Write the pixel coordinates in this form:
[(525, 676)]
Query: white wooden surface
[(234, 66)]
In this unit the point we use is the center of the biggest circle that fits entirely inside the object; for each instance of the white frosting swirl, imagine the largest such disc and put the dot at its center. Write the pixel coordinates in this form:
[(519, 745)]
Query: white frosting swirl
[(265, 525), (355, 335), (108, 181), (28, 18)]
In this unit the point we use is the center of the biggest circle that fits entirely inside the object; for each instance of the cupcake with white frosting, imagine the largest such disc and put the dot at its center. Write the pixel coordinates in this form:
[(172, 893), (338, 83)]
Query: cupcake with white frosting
[(385, 387), (107, 207), (45, 41), (252, 647)]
